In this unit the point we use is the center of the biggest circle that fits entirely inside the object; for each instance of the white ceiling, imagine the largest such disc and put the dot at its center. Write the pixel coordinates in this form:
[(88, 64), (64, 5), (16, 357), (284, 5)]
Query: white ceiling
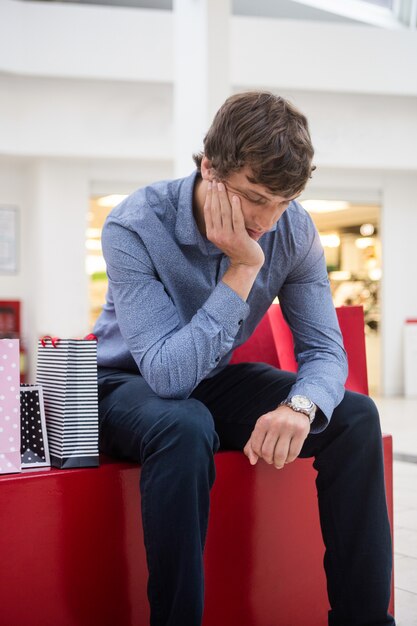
[(284, 9)]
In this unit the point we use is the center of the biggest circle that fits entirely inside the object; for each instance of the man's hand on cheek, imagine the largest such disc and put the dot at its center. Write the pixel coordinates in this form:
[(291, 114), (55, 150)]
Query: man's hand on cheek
[(225, 227), (278, 437)]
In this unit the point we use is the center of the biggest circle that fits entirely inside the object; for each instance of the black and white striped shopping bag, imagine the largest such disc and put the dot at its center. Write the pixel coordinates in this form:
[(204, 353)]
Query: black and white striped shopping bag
[(67, 371)]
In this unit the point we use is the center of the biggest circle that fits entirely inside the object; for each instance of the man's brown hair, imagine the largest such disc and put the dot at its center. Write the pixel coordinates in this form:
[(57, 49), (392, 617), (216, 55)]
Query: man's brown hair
[(265, 132)]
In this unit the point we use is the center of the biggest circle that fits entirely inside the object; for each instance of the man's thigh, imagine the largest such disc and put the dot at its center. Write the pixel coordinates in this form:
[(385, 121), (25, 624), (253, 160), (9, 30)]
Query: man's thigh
[(131, 415), (239, 395)]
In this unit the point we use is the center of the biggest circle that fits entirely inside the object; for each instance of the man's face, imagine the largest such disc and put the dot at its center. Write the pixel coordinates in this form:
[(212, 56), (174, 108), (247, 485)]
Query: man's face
[(261, 209)]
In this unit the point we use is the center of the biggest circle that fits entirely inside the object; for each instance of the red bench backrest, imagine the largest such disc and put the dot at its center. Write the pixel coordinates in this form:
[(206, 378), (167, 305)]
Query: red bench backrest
[(272, 343)]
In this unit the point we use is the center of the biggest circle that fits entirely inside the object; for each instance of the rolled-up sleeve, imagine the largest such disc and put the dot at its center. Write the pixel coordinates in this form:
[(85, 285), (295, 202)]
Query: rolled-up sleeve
[(173, 358), (307, 306)]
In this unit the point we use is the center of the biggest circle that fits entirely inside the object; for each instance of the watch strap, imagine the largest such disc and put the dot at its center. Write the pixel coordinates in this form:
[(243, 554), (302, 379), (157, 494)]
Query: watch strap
[(311, 414)]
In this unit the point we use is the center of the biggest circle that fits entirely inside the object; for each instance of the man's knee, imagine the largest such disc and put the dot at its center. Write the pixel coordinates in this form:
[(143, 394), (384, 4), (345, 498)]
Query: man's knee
[(184, 427), (193, 422), (360, 414)]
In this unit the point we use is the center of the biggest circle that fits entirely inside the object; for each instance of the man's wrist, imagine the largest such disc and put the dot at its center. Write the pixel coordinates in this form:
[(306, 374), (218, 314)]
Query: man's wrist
[(301, 404), (240, 278), (245, 268)]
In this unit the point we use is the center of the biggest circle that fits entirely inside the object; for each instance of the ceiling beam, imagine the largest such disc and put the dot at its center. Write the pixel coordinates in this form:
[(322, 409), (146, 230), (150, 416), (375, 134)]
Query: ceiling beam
[(364, 12)]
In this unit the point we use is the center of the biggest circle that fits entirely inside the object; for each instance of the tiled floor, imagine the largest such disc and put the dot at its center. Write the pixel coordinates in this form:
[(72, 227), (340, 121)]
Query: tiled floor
[(399, 417)]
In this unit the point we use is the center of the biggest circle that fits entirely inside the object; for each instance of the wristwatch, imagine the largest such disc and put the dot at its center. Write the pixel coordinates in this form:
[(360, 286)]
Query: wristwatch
[(302, 404)]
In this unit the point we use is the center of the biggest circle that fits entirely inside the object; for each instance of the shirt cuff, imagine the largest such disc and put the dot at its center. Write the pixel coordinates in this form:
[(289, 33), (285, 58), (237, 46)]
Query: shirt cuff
[(325, 406), (226, 308)]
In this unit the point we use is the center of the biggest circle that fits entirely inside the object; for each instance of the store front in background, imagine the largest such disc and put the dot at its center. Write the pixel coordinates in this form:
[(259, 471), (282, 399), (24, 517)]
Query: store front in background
[(350, 237), (99, 209), (349, 234)]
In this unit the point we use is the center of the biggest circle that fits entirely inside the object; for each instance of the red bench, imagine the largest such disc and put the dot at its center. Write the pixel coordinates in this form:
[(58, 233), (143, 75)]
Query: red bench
[(72, 552)]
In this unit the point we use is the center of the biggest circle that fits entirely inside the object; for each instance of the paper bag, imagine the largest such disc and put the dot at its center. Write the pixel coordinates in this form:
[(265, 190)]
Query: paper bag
[(67, 371), (34, 447), (9, 406)]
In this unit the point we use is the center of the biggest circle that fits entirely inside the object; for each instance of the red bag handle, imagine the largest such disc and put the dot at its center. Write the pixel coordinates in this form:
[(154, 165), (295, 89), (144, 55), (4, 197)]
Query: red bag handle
[(91, 337), (54, 340)]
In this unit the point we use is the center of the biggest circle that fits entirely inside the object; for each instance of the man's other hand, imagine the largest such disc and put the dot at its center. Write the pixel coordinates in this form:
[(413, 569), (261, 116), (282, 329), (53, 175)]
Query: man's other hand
[(278, 437)]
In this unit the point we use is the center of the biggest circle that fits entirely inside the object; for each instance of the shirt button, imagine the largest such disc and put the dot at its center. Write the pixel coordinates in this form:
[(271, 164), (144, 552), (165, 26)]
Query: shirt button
[(217, 359), (240, 322)]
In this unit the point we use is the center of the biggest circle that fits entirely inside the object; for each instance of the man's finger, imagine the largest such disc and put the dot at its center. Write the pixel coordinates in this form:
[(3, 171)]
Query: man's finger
[(225, 208), (237, 215), (268, 447), (281, 452), (295, 448), (253, 458), (207, 207), (215, 208), (259, 433)]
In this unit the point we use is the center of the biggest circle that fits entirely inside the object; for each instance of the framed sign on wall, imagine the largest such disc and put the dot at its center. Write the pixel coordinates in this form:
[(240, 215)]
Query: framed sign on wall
[(8, 239)]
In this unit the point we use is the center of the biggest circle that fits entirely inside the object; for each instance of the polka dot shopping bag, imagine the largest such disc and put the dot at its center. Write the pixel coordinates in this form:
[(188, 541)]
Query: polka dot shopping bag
[(10, 461), (34, 441)]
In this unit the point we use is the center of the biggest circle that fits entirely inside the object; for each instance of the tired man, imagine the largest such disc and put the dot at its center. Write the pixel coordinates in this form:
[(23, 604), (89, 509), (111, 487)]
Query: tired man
[(193, 265)]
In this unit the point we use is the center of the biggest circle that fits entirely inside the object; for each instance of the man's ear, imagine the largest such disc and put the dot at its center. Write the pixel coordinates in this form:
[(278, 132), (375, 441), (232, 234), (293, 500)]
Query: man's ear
[(207, 172)]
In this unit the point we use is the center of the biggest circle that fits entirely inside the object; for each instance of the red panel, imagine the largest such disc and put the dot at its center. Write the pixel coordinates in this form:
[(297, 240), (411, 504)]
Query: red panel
[(284, 342), (72, 549), (352, 326), (264, 546), (10, 319), (351, 323), (388, 469), (259, 347)]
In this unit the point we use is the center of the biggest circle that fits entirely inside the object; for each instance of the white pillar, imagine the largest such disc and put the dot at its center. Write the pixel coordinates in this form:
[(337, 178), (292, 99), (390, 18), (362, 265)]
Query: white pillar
[(59, 285), (399, 293), (201, 75)]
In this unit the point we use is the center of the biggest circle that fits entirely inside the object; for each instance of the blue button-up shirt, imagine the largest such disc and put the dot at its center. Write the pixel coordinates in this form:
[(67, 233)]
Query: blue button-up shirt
[(169, 314)]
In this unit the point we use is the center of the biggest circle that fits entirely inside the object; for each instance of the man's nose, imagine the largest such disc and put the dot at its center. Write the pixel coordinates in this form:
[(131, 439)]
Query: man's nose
[(264, 222)]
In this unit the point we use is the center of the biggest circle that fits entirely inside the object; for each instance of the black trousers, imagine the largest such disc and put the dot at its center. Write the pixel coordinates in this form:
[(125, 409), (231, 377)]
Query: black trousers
[(175, 442)]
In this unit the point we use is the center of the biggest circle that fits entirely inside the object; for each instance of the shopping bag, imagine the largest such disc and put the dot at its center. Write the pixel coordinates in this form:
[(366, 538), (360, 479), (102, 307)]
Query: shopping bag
[(9, 406), (34, 447), (67, 371)]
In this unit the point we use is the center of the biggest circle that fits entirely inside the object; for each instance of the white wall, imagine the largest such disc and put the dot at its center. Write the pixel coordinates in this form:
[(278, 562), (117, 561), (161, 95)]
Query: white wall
[(68, 117), (360, 130), (51, 282), (399, 297), (78, 118), (15, 183), (85, 41), (323, 56), (60, 204)]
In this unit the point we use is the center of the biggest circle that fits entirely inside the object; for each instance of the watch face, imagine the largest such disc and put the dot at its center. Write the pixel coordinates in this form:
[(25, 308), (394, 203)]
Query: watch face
[(302, 402)]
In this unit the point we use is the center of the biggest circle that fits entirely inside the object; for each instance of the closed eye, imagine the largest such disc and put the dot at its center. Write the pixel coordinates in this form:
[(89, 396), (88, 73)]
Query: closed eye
[(257, 200)]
